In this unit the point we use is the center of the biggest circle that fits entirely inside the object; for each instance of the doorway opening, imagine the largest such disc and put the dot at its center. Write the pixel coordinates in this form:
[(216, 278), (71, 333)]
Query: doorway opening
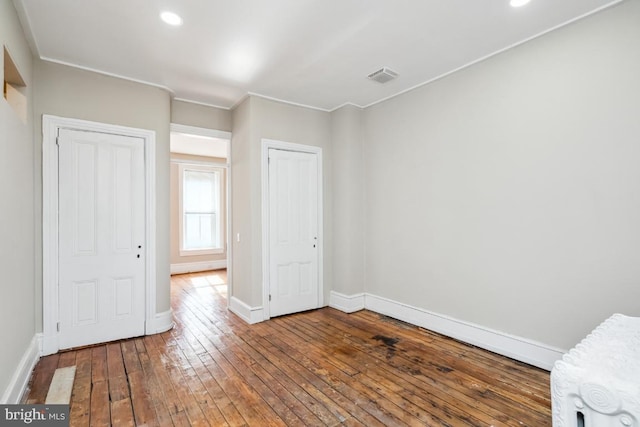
[(200, 205)]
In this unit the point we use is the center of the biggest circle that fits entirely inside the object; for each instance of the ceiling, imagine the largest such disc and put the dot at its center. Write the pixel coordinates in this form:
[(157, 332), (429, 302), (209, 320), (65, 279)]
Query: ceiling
[(197, 145), (316, 53)]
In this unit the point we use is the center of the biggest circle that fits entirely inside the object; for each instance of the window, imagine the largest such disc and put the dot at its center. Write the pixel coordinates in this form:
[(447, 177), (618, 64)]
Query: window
[(201, 216)]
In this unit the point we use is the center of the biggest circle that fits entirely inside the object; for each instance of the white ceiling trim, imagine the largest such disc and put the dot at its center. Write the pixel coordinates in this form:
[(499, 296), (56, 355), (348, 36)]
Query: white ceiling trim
[(484, 58), (284, 101), (190, 101), (239, 101), (106, 73), (347, 104)]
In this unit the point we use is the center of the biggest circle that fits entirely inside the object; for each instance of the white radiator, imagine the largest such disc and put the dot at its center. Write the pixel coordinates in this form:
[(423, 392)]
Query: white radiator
[(597, 384)]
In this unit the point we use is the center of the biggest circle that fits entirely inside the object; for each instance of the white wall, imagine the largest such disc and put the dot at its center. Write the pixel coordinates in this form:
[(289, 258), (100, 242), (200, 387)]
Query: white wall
[(75, 93), (508, 194), (17, 244), (255, 119), (241, 209), (198, 115), (347, 171)]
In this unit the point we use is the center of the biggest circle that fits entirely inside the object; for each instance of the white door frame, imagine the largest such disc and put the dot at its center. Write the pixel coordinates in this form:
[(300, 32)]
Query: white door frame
[(194, 130), (50, 127), (288, 146)]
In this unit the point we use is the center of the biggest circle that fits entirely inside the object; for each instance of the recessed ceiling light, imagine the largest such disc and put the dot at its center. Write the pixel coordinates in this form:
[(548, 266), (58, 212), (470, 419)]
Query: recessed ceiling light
[(518, 3), (171, 18)]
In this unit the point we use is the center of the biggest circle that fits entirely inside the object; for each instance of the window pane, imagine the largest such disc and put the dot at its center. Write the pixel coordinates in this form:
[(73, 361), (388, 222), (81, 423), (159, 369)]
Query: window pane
[(200, 205), (200, 191), (199, 231)]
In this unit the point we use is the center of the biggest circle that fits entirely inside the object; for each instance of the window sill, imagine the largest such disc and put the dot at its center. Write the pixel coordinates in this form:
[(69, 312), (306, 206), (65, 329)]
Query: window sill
[(196, 252)]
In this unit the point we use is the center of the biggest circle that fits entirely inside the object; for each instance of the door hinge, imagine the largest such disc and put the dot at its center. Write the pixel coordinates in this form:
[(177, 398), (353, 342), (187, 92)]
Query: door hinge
[(269, 297), (58, 326), (58, 141)]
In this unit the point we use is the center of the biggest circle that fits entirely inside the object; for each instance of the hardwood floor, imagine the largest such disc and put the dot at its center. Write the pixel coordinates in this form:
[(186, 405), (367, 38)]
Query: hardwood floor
[(317, 368)]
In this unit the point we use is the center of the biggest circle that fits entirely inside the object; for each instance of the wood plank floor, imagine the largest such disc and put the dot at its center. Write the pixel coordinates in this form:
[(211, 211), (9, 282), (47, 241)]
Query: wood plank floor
[(311, 369)]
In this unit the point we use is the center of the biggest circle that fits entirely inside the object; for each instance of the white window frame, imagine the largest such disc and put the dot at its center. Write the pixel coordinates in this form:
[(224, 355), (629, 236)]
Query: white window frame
[(184, 166)]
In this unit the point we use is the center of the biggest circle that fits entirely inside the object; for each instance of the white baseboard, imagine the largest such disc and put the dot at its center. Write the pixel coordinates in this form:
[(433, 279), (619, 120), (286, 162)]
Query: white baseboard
[(18, 384), (518, 348), (346, 303), (162, 322), (193, 267), (247, 313)]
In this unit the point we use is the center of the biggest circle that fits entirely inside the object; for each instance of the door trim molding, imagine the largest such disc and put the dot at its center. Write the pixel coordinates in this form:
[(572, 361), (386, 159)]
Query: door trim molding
[(50, 126), (195, 130), (301, 148)]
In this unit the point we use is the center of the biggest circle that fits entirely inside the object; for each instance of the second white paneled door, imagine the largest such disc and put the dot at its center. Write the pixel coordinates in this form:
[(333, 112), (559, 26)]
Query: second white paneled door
[(293, 231), (101, 232)]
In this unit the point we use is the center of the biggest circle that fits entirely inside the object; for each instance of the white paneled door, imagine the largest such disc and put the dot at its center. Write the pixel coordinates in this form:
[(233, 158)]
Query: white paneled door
[(101, 231), (293, 232)]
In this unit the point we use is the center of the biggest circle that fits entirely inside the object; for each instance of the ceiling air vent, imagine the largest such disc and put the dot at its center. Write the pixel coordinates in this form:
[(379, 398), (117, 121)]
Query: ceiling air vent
[(383, 75)]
